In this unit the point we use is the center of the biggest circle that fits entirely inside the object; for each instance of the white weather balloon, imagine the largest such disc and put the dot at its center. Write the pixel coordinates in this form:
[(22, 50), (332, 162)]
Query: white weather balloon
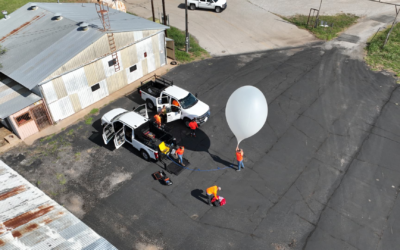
[(246, 112)]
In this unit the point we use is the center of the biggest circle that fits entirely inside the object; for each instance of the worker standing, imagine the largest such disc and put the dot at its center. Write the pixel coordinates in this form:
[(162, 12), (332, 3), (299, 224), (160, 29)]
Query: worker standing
[(158, 120), (212, 192), (179, 154), (163, 114), (193, 126), (239, 158)]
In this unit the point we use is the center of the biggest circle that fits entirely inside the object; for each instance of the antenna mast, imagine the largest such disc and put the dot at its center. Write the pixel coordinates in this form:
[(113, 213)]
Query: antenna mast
[(102, 11)]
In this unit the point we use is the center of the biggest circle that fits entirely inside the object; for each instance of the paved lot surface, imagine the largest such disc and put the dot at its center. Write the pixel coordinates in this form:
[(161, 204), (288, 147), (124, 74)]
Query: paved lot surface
[(322, 174), (242, 27), (329, 7)]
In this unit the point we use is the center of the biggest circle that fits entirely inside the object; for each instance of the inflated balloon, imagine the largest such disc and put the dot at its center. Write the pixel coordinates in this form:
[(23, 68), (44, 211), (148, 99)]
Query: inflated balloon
[(246, 112)]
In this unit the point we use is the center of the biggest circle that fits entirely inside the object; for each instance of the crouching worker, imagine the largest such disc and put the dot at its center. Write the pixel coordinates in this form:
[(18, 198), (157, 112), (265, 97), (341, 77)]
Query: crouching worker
[(179, 154), (212, 192), (193, 126)]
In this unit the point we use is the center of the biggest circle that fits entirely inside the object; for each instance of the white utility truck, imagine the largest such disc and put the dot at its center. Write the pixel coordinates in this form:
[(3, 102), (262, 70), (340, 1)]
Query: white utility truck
[(135, 128), (180, 104), (217, 5)]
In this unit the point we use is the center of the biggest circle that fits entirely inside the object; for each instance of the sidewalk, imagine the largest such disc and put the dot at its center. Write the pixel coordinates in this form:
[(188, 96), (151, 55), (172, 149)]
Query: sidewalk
[(81, 114)]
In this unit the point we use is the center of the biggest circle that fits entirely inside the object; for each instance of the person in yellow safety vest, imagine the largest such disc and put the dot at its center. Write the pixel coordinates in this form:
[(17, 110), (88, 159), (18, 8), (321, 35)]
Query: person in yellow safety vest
[(212, 192)]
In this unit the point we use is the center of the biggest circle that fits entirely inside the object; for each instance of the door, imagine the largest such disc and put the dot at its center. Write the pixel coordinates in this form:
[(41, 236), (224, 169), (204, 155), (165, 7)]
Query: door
[(142, 110), (163, 100), (211, 4), (40, 116), (119, 138), (108, 133), (128, 134), (203, 4), (174, 114)]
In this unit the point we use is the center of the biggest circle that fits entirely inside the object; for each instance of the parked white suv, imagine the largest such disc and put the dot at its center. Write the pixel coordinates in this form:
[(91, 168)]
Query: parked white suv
[(217, 5)]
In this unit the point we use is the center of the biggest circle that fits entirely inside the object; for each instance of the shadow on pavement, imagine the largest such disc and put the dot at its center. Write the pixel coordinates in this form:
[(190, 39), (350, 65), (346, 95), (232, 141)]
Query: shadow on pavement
[(198, 194)]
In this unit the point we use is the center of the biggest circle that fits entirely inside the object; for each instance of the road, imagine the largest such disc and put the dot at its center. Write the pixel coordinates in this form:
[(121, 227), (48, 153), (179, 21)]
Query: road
[(321, 174), (243, 27)]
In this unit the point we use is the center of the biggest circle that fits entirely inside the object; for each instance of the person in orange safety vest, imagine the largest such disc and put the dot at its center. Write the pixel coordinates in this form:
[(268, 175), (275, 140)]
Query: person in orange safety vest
[(193, 125), (212, 192), (179, 154), (239, 158), (158, 120), (175, 103)]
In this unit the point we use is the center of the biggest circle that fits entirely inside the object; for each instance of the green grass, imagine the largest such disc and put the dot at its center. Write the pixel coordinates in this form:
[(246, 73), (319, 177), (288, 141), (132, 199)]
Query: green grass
[(93, 111), (61, 178), (47, 138), (70, 132), (78, 156), (340, 23), (388, 57), (89, 120), (195, 51)]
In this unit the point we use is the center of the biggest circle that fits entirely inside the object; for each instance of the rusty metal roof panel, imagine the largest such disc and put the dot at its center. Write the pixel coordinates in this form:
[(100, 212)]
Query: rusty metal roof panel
[(29, 219), (37, 45)]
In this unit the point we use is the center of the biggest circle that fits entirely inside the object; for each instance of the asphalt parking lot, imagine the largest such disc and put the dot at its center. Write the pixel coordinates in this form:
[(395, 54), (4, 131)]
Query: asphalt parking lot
[(322, 173)]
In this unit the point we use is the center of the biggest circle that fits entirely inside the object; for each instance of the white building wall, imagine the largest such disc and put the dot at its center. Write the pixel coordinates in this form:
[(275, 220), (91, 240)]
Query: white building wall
[(79, 93)]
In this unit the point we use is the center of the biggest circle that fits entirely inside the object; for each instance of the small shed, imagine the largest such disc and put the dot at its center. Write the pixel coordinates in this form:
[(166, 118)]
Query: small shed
[(21, 111)]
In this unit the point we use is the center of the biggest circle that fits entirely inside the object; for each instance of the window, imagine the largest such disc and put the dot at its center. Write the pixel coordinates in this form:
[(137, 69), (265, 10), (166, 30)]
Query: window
[(95, 87), (24, 118), (145, 54), (112, 62), (133, 68)]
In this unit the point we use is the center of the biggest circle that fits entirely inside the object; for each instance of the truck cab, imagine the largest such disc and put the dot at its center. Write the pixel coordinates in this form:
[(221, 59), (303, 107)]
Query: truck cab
[(180, 104), (217, 5), (135, 128)]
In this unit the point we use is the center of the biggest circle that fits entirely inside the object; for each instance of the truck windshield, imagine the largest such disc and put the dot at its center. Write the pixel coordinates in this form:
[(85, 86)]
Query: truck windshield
[(188, 102)]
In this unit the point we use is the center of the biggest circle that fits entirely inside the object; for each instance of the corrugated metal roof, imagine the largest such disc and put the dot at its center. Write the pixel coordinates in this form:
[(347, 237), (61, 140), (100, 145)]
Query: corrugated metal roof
[(37, 45), (29, 219), (14, 97)]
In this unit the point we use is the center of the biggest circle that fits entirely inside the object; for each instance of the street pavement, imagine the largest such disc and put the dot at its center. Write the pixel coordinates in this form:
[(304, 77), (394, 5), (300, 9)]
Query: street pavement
[(321, 174), (242, 27)]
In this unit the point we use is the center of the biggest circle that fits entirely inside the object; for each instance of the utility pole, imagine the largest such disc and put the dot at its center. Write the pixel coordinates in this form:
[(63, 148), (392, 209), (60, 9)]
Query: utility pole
[(152, 9), (391, 28), (187, 31), (394, 21), (165, 17)]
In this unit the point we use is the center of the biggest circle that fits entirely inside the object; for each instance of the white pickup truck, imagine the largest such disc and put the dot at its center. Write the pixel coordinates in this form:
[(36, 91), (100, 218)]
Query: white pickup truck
[(135, 128), (217, 5), (180, 104)]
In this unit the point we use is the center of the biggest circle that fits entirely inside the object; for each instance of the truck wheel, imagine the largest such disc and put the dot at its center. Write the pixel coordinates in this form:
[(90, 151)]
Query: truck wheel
[(186, 121), (192, 7), (150, 104), (218, 9), (145, 155)]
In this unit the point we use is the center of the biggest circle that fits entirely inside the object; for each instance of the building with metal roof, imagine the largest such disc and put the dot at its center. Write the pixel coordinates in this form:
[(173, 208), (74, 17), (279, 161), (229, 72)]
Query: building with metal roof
[(72, 55), (29, 219)]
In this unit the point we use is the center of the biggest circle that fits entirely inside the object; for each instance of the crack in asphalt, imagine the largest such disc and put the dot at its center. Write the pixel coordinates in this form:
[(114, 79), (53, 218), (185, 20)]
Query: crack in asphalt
[(355, 156)]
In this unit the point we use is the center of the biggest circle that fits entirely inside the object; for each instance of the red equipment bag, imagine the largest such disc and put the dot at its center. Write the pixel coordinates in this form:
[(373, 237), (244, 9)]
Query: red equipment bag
[(220, 202)]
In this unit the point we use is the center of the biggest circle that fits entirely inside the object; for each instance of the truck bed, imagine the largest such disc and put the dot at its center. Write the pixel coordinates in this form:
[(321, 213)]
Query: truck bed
[(160, 135), (155, 85)]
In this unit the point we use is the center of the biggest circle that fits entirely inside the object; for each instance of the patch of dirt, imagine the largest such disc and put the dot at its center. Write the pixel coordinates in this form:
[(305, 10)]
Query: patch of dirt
[(74, 204), (110, 182), (144, 246)]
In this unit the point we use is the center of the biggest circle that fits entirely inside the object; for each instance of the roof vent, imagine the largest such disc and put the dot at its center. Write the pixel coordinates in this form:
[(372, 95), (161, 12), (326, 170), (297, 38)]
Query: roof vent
[(33, 7), (57, 17), (83, 26), (5, 14)]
